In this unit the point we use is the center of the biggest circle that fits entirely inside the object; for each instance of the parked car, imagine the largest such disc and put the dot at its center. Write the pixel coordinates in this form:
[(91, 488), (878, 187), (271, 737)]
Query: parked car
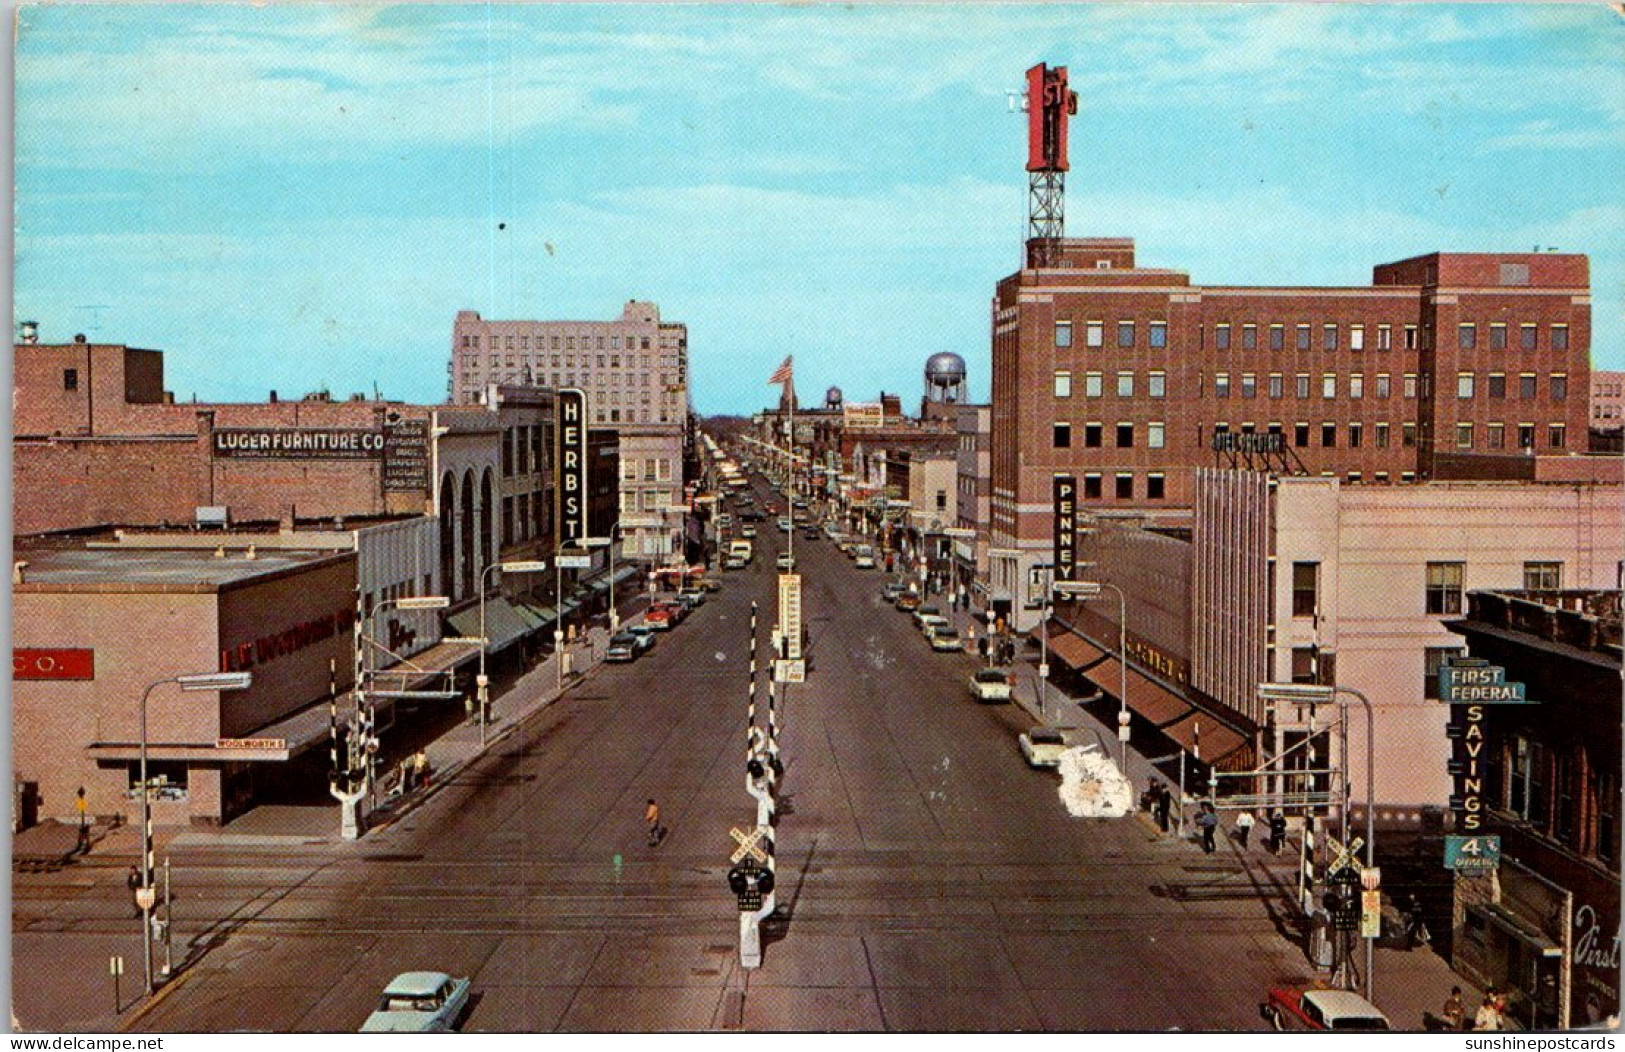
[(784, 524), (661, 617), (645, 636), (785, 562), (679, 611), (945, 640), (623, 646), (1042, 746), (711, 583), (692, 594), (811, 533), (990, 684), (1290, 1009), (747, 530), (734, 562), (890, 591), (908, 602), (419, 1003), (864, 557)]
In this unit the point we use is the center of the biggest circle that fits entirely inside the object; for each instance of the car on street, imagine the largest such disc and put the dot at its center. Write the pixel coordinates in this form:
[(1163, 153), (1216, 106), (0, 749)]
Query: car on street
[(990, 684), (811, 533), (623, 646), (1042, 746), (864, 557), (890, 591), (645, 636), (1292, 1009), (747, 530), (931, 623), (661, 617), (725, 520), (711, 583), (419, 1003), (908, 602), (945, 640), (926, 615), (785, 562), (734, 562), (693, 594), (784, 524), (831, 532)]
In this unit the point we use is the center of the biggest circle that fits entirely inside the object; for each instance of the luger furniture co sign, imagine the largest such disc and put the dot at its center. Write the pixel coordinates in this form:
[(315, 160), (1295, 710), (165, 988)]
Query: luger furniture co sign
[(290, 443)]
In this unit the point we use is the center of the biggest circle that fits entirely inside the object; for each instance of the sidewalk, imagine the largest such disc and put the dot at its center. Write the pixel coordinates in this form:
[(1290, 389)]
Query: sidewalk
[(1409, 986)]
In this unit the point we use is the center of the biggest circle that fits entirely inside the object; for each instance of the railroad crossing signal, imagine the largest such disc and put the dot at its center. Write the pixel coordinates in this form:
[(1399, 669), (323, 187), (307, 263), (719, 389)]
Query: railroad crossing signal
[(749, 844), (1346, 856)]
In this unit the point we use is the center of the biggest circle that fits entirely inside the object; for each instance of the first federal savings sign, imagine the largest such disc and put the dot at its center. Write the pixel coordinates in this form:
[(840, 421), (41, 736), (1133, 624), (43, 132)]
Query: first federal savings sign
[(288, 443)]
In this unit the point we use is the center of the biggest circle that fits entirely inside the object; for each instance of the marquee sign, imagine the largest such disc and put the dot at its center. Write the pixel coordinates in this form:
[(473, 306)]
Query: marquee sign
[(571, 435), (297, 443), (1470, 684)]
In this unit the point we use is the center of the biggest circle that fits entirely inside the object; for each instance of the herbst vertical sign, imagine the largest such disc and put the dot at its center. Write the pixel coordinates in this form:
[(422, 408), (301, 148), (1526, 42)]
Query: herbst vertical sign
[(1066, 527), (571, 432)]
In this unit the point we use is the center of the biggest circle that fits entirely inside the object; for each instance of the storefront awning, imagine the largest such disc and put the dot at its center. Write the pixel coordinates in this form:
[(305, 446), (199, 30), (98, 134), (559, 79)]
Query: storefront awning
[(503, 624), (1073, 650), (1156, 703), (1222, 745)]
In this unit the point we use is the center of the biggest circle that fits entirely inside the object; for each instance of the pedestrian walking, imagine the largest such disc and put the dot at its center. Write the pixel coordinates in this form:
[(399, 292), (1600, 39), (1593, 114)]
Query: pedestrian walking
[(1164, 799), (1244, 828), (132, 880), (1207, 821), (1454, 1011), (651, 815), (1489, 1014), (1277, 838)]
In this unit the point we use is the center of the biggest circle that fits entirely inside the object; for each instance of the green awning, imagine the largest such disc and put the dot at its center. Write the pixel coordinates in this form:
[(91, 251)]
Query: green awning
[(503, 624)]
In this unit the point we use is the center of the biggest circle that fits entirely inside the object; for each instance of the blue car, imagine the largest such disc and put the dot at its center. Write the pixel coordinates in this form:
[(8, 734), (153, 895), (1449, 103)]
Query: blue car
[(419, 1003)]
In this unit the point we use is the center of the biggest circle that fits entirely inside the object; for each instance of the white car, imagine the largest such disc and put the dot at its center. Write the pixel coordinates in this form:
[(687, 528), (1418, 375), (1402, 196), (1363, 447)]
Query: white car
[(864, 557), (929, 623), (1043, 746), (747, 530), (990, 684), (944, 639), (419, 1003), (785, 562)]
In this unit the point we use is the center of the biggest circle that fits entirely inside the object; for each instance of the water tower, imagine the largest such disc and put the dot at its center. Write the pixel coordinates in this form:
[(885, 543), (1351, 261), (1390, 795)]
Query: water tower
[(832, 398), (945, 379)]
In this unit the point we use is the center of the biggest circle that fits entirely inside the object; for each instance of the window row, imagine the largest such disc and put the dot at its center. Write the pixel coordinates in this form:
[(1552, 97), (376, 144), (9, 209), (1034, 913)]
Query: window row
[(1124, 486), (1094, 435), (569, 343), (1305, 336), (1443, 590), (1156, 384), (1557, 386), (1354, 434)]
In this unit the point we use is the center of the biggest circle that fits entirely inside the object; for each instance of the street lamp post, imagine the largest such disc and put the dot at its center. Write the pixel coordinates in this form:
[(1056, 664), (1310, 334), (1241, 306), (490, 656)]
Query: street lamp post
[(405, 602), (1314, 693), (482, 683), (147, 894), (1087, 590), (608, 544)]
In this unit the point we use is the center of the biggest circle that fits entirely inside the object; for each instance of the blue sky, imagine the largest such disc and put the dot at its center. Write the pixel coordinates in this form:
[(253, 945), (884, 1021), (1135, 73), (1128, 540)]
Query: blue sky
[(298, 197)]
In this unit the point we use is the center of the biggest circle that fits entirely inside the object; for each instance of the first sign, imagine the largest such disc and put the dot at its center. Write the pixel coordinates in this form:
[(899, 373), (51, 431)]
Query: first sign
[(28, 663)]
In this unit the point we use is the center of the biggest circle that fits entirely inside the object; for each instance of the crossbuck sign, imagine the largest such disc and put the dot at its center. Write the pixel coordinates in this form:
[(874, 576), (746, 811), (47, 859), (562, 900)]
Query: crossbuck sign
[(749, 844)]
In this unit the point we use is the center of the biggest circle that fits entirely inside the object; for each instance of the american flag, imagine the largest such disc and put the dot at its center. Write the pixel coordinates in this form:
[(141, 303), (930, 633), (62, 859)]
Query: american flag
[(781, 375)]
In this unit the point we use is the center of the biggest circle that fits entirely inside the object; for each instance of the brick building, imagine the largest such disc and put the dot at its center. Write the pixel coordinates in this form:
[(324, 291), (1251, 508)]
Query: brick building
[(1125, 376)]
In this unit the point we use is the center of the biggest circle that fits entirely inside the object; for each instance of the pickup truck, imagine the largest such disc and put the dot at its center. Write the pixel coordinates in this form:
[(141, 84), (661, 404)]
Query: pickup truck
[(742, 550)]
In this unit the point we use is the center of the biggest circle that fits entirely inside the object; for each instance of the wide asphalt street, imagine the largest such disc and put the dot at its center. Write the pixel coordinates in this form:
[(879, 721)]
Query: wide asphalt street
[(929, 880)]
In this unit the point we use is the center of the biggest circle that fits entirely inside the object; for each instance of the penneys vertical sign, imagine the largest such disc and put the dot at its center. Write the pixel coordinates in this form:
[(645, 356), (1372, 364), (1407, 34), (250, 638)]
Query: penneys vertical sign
[(1066, 528), (571, 459)]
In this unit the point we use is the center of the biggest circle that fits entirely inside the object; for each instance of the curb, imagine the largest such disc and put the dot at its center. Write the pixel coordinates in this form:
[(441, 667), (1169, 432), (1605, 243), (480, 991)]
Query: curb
[(155, 1000)]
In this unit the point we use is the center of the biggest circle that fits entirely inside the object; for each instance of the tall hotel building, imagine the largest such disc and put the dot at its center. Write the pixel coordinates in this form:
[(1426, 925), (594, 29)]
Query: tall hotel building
[(635, 373), (1131, 378)]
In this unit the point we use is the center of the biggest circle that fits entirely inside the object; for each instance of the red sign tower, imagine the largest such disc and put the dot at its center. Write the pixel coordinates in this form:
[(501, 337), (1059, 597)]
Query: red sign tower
[(1049, 103)]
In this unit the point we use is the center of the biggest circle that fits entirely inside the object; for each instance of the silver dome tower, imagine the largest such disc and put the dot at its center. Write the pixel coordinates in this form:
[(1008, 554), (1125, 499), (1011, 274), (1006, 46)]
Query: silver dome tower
[(945, 378)]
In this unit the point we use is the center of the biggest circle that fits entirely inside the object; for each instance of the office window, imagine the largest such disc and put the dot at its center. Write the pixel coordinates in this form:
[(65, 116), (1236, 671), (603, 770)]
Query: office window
[(1409, 389), (1432, 659), (1384, 387), (1063, 384), (1495, 436), (1380, 435), (1526, 335), (1157, 384), (1155, 488), (1410, 338), (70, 379), (1249, 337), (1466, 336), (1560, 337), (1155, 435), (1159, 334), (1498, 385), (1091, 435), (1526, 436), (1221, 337), (1303, 337), (1356, 337), (1277, 386), (1328, 385), (1305, 589), (1498, 336), (1304, 665), (1092, 385), (1557, 435), (1464, 436), (1063, 334), (1125, 487), (1094, 334), (1356, 385), (1606, 843), (1444, 587), (1356, 434), (1464, 385), (1560, 387), (1301, 385), (1249, 385), (1328, 436), (1221, 385), (1385, 335), (1125, 436), (1542, 576), (1300, 435), (1277, 337), (1527, 385), (1125, 334), (1328, 337), (1061, 436), (1125, 385), (1091, 487)]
